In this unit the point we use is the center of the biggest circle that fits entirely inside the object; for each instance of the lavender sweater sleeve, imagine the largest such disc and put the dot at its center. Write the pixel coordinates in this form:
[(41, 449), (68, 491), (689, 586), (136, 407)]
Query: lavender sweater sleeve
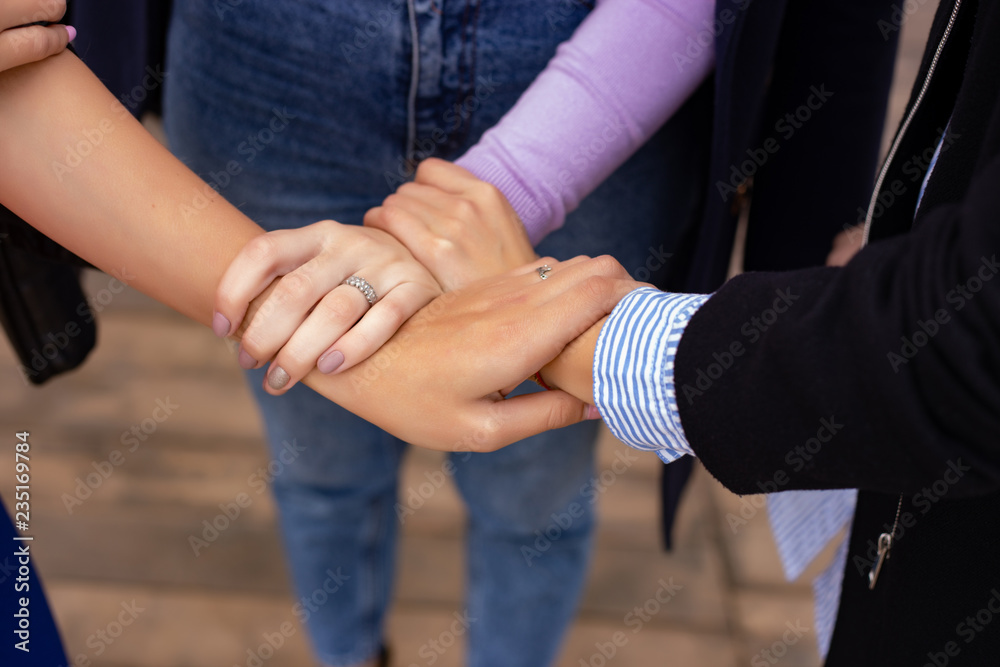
[(627, 68)]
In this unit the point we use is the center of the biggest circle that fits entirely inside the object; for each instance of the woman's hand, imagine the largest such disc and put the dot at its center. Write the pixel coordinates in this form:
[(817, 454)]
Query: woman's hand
[(459, 227), (440, 381), (27, 44), (311, 318)]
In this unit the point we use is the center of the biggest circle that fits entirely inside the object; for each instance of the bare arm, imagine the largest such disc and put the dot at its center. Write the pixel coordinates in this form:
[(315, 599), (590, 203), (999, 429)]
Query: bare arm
[(80, 169)]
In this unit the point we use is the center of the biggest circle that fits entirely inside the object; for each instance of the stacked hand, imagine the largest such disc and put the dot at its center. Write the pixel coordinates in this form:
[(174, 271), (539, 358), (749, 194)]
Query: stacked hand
[(459, 227), (441, 381), (311, 318), (21, 43), (457, 357), (455, 229)]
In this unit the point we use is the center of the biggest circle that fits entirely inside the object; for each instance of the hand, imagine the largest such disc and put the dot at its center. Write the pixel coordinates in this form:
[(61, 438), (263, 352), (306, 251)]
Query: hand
[(440, 382), (459, 227), (311, 318), (846, 245), (27, 44)]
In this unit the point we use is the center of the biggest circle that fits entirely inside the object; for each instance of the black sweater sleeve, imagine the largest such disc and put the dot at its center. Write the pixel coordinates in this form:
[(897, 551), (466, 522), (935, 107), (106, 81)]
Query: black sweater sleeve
[(882, 375)]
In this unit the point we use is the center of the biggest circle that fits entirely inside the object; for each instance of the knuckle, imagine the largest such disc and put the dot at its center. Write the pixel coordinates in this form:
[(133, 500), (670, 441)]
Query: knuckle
[(608, 266), (295, 286), (253, 342), (559, 414), (261, 249), (464, 210), (394, 313), (295, 360), (336, 309), (594, 288), (394, 216)]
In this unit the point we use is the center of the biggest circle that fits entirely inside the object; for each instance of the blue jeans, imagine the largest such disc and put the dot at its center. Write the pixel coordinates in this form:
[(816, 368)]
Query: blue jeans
[(298, 112)]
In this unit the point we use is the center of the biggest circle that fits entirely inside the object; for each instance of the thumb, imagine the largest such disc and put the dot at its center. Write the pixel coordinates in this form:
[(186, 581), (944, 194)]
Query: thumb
[(530, 414), (19, 46)]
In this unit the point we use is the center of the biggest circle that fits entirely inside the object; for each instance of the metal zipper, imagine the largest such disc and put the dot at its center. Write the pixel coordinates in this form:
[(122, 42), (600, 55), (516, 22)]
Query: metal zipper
[(906, 123)]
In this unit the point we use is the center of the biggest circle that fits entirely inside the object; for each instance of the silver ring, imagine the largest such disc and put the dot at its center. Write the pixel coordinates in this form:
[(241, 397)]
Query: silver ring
[(542, 270), (364, 286)]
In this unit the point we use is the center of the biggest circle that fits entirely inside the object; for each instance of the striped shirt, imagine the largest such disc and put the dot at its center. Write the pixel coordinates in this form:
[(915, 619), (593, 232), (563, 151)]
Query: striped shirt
[(634, 391)]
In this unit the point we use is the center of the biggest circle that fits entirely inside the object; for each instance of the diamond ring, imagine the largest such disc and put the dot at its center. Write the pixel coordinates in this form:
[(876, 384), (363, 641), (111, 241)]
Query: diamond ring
[(364, 286)]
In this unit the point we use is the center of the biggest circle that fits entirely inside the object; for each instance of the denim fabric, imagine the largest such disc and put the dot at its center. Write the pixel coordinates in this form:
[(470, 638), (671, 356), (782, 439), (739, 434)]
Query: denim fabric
[(300, 111)]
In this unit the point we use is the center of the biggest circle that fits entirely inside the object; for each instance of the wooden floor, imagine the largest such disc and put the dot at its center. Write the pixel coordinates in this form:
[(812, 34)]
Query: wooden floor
[(125, 546)]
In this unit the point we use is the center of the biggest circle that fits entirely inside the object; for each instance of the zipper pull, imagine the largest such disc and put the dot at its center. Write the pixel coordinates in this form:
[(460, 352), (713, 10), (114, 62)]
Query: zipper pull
[(884, 545)]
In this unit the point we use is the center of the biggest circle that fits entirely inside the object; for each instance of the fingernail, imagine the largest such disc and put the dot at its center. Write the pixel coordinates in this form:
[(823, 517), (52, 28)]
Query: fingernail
[(220, 325), (245, 361), (277, 378), (72, 32), (330, 361), (592, 412)]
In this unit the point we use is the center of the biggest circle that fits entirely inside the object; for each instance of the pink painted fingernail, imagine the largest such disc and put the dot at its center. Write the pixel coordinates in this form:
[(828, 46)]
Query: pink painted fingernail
[(245, 361), (330, 361), (220, 325), (592, 412), (71, 31)]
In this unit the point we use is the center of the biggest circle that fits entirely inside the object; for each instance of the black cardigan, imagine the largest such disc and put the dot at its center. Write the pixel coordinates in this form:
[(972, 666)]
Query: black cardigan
[(902, 348)]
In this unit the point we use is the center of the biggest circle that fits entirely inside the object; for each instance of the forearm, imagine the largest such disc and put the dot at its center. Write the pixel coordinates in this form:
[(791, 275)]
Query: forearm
[(79, 168), (124, 203), (608, 89)]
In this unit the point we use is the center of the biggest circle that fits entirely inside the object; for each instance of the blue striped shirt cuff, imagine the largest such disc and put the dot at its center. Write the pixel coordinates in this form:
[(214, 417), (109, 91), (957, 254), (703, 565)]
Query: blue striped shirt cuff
[(634, 370)]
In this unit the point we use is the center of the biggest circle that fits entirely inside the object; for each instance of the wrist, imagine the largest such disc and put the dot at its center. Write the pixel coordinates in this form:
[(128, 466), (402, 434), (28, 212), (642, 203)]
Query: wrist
[(572, 371)]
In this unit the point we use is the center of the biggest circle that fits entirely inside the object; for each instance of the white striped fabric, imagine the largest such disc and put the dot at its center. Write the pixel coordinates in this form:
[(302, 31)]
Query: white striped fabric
[(634, 370), (803, 523), (634, 390)]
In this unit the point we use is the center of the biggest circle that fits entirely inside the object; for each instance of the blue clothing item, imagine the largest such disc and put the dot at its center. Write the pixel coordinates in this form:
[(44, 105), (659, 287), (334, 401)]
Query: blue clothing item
[(297, 112), (23, 605)]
